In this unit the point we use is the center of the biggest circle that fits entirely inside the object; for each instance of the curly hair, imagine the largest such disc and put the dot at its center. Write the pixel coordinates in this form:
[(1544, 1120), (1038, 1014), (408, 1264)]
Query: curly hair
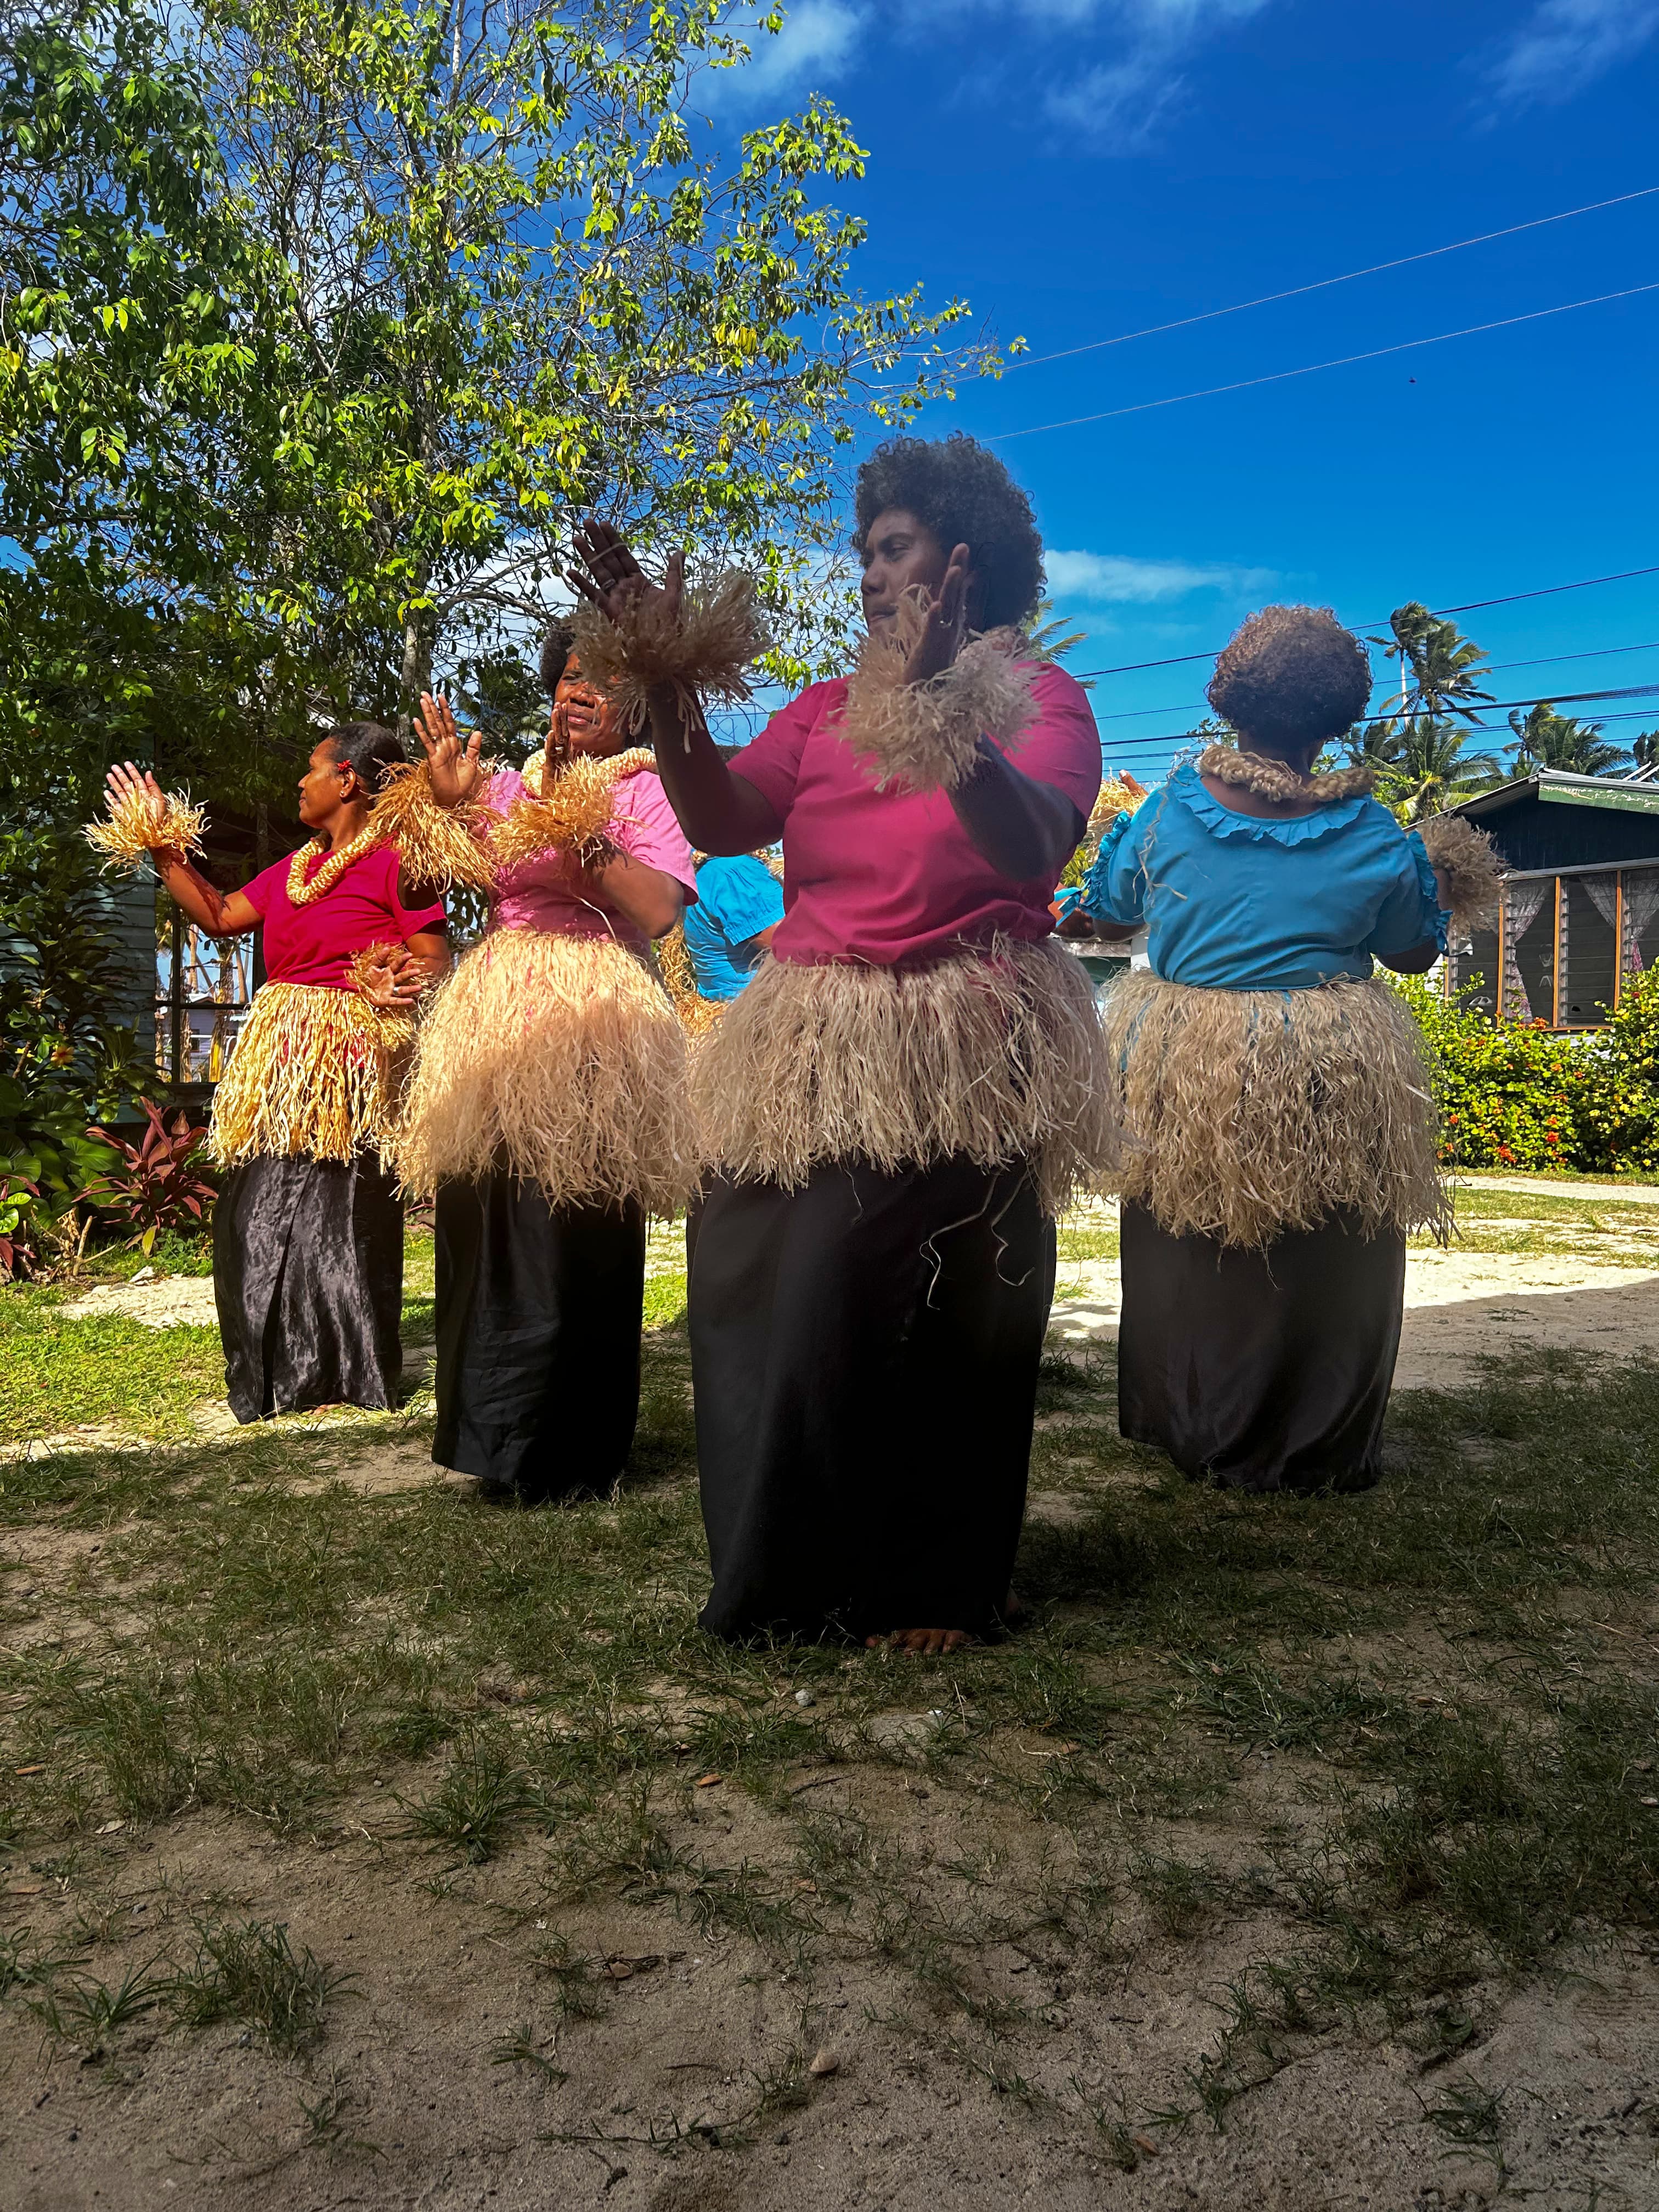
[(1292, 677), (966, 497), (556, 652)]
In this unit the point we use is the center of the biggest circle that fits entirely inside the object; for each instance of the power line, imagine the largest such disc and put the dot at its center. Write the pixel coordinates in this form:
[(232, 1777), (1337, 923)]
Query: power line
[(1492, 668), (1324, 283), (1486, 707), (1468, 607), (1313, 367)]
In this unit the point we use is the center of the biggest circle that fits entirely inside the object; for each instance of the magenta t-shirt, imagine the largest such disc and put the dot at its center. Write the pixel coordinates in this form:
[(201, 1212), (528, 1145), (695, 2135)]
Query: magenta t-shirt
[(553, 893), (315, 944), (892, 878)]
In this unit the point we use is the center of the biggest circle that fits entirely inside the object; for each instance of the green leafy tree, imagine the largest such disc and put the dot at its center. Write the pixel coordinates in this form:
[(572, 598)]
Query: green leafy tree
[(1439, 667), (521, 280), (1424, 764), (1544, 738), (1644, 748)]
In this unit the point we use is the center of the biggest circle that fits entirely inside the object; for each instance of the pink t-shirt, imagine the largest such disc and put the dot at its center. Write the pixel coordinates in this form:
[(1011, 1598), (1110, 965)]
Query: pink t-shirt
[(314, 944), (552, 893), (892, 878)]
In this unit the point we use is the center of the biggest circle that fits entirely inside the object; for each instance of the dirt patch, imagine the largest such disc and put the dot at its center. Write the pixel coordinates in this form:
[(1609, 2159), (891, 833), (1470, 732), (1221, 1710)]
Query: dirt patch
[(448, 2078), (1462, 1309), (166, 1302)]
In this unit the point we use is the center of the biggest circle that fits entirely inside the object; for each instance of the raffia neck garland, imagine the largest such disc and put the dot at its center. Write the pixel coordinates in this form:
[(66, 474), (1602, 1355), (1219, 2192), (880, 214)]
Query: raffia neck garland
[(570, 813), (1271, 779), (301, 893)]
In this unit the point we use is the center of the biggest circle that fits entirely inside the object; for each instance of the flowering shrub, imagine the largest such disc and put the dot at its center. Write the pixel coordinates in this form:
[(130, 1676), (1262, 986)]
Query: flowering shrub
[(1514, 1095)]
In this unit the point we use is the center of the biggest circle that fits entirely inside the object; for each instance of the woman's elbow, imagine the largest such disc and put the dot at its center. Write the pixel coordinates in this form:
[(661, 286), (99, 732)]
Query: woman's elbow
[(662, 913)]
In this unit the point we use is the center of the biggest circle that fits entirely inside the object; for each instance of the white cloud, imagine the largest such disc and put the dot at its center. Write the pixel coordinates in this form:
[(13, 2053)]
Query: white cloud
[(812, 49), (1566, 45), (1121, 101), (1120, 579)]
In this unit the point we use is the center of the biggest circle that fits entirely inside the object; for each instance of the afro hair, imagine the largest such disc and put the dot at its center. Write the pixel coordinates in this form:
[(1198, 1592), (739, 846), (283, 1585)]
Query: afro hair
[(556, 652), (966, 497), (1292, 677)]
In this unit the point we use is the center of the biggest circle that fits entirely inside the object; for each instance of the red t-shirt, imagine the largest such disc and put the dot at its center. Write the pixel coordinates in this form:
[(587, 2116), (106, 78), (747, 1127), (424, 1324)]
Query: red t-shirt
[(892, 878), (314, 944)]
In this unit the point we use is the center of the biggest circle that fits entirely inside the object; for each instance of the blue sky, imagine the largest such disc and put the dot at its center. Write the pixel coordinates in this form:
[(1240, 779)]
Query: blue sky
[(1083, 168)]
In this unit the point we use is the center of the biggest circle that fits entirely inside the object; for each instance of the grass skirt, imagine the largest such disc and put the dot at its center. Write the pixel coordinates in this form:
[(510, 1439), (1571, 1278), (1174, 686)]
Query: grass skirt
[(559, 1060), (990, 1058), (314, 1076), (1251, 1115)]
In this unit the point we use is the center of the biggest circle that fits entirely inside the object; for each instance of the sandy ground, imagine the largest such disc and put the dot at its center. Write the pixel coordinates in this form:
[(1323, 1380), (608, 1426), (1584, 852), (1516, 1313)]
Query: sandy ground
[(1461, 1309)]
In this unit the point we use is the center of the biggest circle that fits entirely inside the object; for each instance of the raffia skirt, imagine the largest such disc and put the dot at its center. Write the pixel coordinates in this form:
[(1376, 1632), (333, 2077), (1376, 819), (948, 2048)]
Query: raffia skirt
[(547, 1112), (1279, 1148), (870, 1282), (309, 1227)]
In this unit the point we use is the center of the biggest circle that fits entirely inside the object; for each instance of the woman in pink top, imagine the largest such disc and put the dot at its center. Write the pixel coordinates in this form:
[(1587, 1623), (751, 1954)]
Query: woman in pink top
[(308, 1228), (907, 1088), (548, 1108)]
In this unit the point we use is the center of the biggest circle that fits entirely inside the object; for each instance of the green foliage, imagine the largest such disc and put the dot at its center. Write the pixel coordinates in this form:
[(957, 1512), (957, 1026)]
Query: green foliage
[(1618, 1112), (1440, 668), (157, 1185), (1516, 1095), (1544, 738), (62, 1059)]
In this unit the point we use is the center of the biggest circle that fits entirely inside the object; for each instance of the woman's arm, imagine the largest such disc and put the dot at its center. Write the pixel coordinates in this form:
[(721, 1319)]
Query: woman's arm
[(1027, 830), (651, 899), (220, 913)]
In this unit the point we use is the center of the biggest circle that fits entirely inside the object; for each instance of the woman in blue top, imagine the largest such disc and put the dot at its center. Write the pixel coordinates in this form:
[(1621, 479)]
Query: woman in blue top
[(1281, 1140)]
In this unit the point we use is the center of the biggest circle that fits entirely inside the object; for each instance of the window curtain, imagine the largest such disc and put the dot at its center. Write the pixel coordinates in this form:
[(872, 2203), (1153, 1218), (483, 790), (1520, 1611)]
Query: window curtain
[(1641, 904), (1522, 903)]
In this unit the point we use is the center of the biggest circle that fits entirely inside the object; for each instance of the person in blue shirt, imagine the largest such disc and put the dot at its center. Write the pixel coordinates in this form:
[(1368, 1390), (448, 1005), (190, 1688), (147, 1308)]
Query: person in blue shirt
[(739, 904), (1280, 1137)]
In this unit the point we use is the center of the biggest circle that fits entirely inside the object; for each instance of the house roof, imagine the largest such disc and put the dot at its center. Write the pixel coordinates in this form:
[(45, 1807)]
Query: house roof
[(1560, 787)]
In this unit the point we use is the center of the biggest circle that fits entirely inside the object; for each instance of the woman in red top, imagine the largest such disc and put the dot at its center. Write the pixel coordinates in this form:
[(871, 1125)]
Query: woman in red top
[(908, 1087), (307, 1232)]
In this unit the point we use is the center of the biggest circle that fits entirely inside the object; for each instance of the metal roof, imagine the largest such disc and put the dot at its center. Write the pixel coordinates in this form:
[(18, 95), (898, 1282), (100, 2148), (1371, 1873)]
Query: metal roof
[(1559, 786)]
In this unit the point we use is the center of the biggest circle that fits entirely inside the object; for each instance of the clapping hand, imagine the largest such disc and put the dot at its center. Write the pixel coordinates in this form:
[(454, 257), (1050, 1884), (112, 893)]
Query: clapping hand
[(946, 620), (457, 769), (394, 979)]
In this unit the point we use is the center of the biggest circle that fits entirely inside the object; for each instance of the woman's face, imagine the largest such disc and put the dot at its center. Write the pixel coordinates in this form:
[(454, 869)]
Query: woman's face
[(324, 786), (584, 718), (899, 553)]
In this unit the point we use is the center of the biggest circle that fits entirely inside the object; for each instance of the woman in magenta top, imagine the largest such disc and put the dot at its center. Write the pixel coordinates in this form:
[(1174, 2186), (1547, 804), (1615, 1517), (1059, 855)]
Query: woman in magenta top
[(906, 1090), (548, 1109), (308, 1230)]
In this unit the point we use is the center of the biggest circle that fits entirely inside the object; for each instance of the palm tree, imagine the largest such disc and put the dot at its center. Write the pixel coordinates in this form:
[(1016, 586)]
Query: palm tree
[(1423, 766), (1439, 666), (1644, 748), (1544, 738)]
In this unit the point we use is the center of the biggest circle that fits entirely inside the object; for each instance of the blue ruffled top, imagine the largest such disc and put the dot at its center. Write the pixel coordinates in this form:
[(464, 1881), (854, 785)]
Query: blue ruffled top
[(1238, 903)]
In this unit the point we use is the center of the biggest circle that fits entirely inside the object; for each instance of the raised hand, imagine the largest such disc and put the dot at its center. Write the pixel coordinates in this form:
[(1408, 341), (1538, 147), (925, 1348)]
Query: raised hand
[(944, 620), (457, 769), (125, 782), (613, 580)]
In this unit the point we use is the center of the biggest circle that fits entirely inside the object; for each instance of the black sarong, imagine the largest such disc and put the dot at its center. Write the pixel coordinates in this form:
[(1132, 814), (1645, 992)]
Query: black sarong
[(1260, 1371), (865, 1355), (308, 1279), (539, 1310)]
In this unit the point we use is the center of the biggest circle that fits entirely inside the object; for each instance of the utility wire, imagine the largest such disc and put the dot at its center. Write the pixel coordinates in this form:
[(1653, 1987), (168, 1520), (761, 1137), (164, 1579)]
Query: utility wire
[(1324, 283), (1492, 668), (1313, 367), (1484, 706), (1468, 607)]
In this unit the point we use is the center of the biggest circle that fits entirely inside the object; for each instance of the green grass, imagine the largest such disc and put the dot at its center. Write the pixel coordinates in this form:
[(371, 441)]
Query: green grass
[(56, 1374), (1405, 1741)]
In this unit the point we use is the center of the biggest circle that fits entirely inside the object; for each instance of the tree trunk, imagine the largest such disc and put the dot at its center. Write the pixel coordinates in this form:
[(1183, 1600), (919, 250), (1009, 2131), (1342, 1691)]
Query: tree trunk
[(420, 635)]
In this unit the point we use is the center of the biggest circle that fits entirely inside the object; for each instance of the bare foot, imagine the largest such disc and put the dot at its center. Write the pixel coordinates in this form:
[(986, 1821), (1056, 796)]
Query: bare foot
[(920, 1643)]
